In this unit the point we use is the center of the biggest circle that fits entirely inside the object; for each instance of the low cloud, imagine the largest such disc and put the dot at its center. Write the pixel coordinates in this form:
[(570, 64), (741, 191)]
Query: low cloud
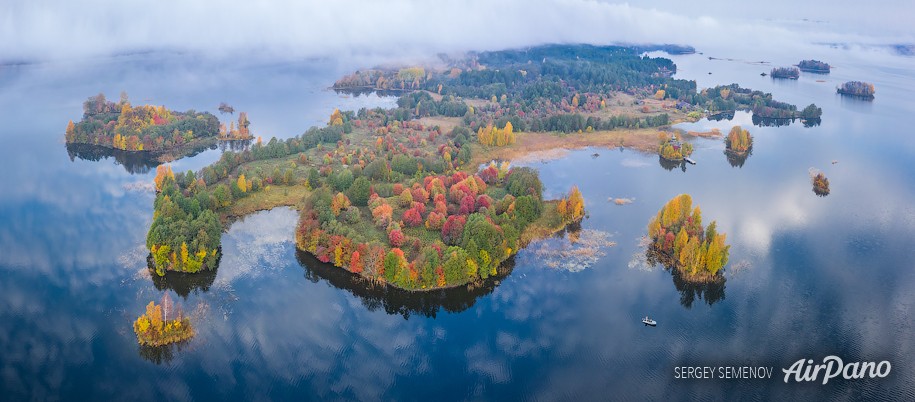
[(232, 29)]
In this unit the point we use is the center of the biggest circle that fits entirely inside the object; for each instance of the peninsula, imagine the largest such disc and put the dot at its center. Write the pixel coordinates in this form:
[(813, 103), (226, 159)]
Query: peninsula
[(423, 196)]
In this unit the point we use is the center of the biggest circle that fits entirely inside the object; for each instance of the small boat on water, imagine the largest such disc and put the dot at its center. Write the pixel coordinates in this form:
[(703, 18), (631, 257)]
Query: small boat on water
[(690, 161), (649, 321)]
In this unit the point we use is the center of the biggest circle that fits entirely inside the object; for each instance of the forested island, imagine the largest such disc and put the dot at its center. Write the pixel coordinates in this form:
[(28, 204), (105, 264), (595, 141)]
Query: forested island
[(857, 88), (785, 72), (672, 147), (422, 196), (146, 128), (738, 141), (814, 66), (820, 184), (159, 327), (681, 243)]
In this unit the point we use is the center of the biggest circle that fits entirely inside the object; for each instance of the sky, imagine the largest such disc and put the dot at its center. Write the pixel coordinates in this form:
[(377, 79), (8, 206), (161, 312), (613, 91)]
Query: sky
[(41, 30)]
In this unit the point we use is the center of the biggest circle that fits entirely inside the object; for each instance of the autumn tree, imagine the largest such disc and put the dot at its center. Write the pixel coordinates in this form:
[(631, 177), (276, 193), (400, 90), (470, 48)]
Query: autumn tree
[(163, 172), (242, 183)]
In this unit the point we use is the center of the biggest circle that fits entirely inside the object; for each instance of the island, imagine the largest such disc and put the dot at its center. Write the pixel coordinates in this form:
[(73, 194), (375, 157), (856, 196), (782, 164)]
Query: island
[(858, 89), (785, 72), (820, 184), (236, 133), (814, 66), (672, 148), (423, 195), (738, 141), (154, 328), (152, 129), (681, 243), (738, 146)]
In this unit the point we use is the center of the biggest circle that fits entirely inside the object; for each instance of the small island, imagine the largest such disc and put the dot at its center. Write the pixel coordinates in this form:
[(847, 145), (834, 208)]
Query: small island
[(739, 141), (820, 184), (858, 89), (239, 133), (144, 128), (785, 72), (672, 148), (155, 328), (814, 66), (679, 240)]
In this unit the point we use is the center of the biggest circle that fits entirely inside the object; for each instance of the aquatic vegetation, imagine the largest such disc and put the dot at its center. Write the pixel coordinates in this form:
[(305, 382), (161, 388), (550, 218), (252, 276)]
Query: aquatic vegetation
[(579, 250)]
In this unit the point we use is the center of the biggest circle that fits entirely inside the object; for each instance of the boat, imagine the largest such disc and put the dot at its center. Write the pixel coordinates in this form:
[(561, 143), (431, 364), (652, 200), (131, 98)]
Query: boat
[(690, 161), (649, 321)]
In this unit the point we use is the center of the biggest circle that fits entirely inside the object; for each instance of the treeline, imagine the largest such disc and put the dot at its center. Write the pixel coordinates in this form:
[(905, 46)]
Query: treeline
[(241, 132), (424, 105), (786, 72), (814, 66), (569, 122), (676, 232), (857, 88), (402, 79), (141, 128)]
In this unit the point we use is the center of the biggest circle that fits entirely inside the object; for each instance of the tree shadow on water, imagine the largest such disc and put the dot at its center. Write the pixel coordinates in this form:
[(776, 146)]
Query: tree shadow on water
[(398, 301), (690, 291)]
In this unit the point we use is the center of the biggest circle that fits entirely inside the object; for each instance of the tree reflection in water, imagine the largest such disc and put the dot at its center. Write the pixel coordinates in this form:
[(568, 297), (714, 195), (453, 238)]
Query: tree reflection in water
[(738, 159), (399, 301), (671, 165), (133, 162), (161, 354), (181, 282), (712, 292)]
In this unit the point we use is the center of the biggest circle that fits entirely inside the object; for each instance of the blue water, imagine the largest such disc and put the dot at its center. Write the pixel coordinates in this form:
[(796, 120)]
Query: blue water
[(808, 276)]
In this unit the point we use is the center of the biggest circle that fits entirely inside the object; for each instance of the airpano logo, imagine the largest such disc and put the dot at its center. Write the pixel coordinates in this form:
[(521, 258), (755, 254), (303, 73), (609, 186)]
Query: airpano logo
[(805, 371)]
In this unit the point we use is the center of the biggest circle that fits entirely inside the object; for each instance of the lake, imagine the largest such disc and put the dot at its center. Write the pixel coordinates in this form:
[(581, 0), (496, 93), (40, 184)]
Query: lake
[(808, 276)]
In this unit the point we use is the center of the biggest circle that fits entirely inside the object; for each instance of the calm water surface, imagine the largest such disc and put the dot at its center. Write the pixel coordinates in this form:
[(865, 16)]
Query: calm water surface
[(809, 276)]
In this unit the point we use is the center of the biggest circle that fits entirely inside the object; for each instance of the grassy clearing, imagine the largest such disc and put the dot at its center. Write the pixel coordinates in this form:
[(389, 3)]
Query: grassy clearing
[(644, 140), (547, 225), (267, 199)]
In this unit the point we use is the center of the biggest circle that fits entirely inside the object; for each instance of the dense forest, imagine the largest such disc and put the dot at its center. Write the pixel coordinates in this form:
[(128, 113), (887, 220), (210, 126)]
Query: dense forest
[(814, 66), (698, 253), (139, 128), (561, 88), (857, 88), (785, 72), (385, 198)]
